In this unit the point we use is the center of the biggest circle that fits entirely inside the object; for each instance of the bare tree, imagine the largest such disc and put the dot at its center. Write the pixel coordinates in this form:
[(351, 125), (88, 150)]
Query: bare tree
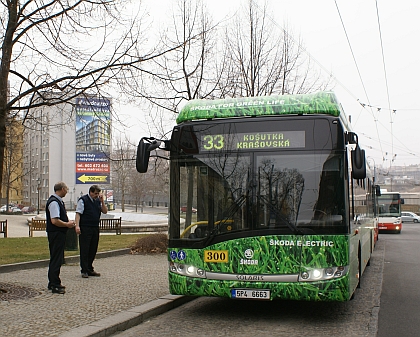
[(122, 165), (265, 58), (131, 186), (136, 188), (253, 56), (191, 71), (55, 50), (158, 178)]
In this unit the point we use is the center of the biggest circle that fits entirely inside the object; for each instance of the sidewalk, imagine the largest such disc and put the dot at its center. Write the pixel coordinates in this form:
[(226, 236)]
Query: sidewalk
[(131, 288), (18, 224)]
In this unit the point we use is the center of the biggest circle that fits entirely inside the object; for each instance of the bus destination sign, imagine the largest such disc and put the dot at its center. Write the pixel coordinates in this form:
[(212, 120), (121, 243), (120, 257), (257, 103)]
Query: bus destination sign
[(253, 141)]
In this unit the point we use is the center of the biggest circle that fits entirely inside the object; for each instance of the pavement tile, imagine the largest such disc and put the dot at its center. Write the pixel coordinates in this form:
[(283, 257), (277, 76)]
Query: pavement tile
[(126, 281), (131, 288)]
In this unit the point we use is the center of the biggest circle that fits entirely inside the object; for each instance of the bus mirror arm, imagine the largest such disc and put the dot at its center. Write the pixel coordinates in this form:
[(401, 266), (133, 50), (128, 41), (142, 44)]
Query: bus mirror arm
[(146, 145), (154, 144), (167, 145), (352, 138)]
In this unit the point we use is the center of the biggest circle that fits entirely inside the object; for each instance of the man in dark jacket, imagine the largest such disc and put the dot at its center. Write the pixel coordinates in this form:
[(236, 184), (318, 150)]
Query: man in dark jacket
[(57, 225), (88, 213)]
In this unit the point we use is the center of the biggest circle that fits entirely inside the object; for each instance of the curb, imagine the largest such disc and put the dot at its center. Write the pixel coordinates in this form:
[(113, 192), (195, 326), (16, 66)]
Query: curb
[(7, 268), (128, 319)]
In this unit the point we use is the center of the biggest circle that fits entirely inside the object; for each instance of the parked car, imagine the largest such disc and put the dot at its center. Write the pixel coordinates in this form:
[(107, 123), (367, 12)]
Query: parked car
[(3, 208), (184, 209), (28, 209), (409, 217), (15, 210)]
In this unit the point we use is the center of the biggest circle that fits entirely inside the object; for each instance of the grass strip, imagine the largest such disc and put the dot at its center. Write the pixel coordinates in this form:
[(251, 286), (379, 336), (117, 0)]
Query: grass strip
[(15, 250)]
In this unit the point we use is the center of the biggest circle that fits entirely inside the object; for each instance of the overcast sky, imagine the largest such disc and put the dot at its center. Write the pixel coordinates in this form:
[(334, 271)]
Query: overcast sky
[(382, 75)]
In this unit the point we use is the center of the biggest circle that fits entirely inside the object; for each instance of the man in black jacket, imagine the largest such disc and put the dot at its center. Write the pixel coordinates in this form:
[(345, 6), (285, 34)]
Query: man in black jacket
[(88, 213), (57, 225)]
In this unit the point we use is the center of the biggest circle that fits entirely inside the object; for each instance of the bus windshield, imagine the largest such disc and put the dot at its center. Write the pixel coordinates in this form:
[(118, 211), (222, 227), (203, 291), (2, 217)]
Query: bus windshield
[(389, 205), (232, 188), (296, 193)]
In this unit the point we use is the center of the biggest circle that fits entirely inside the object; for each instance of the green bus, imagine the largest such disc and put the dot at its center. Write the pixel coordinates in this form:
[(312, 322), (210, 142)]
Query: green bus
[(262, 199)]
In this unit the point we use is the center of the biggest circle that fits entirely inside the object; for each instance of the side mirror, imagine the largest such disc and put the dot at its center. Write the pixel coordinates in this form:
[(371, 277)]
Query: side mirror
[(358, 163), (352, 138), (143, 153), (402, 201), (377, 190)]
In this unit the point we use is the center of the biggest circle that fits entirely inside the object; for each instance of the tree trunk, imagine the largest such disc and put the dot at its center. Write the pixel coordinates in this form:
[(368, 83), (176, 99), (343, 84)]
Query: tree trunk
[(6, 50)]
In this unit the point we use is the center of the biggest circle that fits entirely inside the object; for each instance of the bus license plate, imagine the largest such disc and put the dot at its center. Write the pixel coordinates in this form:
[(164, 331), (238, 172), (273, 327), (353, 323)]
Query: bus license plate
[(255, 294)]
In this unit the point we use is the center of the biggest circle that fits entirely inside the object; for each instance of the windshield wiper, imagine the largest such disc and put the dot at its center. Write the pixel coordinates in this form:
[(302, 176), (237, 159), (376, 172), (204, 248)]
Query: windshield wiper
[(230, 212), (290, 225)]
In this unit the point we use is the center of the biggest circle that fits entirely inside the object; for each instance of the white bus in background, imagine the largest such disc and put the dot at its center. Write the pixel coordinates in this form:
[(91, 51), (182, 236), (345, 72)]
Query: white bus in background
[(389, 211)]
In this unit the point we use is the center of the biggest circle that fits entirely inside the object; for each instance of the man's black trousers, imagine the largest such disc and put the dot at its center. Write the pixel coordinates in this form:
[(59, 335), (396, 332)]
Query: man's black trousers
[(56, 243), (88, 244)]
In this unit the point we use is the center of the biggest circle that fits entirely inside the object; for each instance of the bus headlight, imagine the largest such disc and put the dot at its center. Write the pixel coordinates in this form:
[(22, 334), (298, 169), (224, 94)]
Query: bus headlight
[(316, 273), (186, 270), (321, 274)]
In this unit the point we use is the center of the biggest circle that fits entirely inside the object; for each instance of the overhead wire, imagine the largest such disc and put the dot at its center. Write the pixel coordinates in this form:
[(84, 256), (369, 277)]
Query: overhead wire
[(358, 71), (352, 53), (307, 52), (403, 149), (371, 109), (322, 66), (386, 80)]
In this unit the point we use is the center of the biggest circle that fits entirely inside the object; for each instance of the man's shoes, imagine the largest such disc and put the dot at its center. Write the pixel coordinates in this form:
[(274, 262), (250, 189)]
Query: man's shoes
[(60, 286), (90, 273), (58, 290), (93, 273)]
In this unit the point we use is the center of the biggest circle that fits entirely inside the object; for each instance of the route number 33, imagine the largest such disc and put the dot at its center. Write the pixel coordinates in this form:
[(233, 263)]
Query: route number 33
[(214, 142)]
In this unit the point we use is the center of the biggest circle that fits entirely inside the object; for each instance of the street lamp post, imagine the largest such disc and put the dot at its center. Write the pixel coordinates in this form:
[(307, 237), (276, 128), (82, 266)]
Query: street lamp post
[(374, 169), (38, 191), (375, 200), (71, 236), (74, 197)]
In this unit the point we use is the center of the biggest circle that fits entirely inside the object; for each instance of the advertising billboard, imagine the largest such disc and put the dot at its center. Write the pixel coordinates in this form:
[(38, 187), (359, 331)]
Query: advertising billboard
[(93, 140)]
